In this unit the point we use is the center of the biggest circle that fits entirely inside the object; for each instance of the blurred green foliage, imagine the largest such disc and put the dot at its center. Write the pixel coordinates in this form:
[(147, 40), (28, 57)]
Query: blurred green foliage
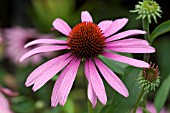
[(43, 13)]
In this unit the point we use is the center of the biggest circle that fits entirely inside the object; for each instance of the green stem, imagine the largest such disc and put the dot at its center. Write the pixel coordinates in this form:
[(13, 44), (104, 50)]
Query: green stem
[(138, 100), (90, 108), (146, 57), (145, 25)]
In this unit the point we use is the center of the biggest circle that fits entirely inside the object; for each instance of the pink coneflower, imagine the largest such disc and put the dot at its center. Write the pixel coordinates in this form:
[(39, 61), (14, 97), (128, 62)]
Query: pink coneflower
[(16, 38), (4, 104), (151, 108), (85, 42)]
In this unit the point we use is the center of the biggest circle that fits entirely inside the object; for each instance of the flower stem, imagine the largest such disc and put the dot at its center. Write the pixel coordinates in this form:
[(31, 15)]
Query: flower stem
[(138, 100), (145, 25), (90, 108), (146, 57)]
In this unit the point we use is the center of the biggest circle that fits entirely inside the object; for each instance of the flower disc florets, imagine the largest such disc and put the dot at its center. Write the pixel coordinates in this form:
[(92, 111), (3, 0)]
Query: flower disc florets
[(148, 9), (149, 78), (86, 40)]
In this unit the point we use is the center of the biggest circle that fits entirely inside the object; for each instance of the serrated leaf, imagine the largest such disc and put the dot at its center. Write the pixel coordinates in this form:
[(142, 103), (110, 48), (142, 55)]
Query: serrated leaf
[(162, 94), (160, 29), (122, 104)]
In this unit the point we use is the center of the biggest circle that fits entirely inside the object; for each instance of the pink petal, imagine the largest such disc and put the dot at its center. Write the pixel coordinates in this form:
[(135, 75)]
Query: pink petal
[(91, 94), (97, 83), (56, 90), (48, 74), (130, 41), (86, 69), (68, 82), (111, 78), (62, 26), (104, 25), (126, 60), (44, 67), (8, 91), (42, 50), (86, 17), (125, 34), (5, 110), (57, 95), (45, 41), (132, 49), (116, 26), (3, 101)]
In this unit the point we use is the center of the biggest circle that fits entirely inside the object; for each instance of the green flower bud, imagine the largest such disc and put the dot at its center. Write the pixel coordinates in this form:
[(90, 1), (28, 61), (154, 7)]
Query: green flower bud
[(149, 78), (147, 9)]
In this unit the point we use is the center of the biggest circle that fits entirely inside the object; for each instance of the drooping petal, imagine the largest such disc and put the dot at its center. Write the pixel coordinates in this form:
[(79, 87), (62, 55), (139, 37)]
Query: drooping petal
[(5, 110), (132, 49), (116, 26), (86, 69), (130, 41), (4, 104), (3, 101), (104, 25), (67, 82), (111, 78), (8, 92), (97, 83), (125, 34), (53, 70), (56, 94), (41, 50), (43, 68), (45, 41), (56, 89), (126, 60), (91, 94), (86, 17), (62, 26)]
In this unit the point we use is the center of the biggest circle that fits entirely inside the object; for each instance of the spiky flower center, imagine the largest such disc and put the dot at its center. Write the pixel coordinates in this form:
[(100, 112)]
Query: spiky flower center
[(86, 40), (151, 74)]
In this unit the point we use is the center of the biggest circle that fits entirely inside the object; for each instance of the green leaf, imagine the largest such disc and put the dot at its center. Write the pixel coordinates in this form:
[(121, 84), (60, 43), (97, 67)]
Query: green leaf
[(44, 13), (69, 106), (53, 110), (23, 105), (62, 38), (105, 108), (162, 94), (120, 104), (160, 29), (162, 46)]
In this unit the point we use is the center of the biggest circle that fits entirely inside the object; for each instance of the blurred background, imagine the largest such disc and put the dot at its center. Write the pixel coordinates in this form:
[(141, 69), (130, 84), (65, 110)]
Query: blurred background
[(22, 21)]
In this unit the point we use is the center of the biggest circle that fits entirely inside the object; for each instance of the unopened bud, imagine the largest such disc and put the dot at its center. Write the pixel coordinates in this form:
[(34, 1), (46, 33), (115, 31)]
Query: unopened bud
[(148, 9), (149, 78)]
